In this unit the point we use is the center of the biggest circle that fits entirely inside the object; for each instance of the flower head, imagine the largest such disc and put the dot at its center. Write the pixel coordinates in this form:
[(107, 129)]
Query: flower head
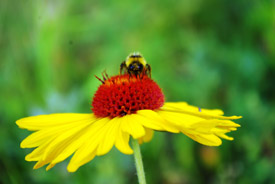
[(122, 94), (124, 106)]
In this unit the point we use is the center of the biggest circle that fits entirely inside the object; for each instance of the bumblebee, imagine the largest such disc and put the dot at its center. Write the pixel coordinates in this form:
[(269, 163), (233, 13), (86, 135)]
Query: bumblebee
[(136, 65)]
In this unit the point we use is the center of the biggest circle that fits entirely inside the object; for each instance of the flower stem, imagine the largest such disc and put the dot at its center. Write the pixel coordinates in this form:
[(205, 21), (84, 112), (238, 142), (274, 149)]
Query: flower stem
[(138, 161)]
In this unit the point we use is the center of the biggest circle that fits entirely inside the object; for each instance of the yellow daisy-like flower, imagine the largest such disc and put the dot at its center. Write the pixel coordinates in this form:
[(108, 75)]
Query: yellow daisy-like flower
[(124, 106)]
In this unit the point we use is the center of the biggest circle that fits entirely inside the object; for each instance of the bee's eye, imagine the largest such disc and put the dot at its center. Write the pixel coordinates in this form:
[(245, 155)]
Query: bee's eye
[(131, 67), (140, 66)]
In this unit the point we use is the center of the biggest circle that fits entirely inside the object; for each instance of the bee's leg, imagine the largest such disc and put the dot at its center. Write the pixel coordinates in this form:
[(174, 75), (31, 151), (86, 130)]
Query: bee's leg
[(130, 75), (148, 70), (122, 67), (141, 75)]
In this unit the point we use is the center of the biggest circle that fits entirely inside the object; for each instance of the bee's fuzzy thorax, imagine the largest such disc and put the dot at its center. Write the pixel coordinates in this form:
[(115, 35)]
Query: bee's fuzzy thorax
[(135, 57)]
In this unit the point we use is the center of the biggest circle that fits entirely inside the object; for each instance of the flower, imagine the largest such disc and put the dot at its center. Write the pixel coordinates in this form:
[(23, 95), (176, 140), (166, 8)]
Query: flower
[(124, 106)]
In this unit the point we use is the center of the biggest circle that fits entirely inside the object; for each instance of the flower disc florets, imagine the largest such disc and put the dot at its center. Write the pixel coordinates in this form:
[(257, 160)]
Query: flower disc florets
[(124, 94)]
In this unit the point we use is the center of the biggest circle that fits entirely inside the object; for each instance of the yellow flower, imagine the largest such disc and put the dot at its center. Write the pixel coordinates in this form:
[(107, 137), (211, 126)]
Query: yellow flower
[(124, 106)]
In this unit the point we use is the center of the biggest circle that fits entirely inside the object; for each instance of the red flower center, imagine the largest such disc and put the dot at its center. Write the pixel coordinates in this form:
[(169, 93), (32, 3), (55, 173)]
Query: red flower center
[(122, 94)]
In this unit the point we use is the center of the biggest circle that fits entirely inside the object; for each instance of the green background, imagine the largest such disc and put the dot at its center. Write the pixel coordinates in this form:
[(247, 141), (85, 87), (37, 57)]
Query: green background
[(209, 53)]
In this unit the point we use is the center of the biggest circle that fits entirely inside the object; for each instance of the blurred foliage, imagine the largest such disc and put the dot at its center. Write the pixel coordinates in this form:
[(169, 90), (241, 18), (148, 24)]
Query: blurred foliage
[(213, 54)]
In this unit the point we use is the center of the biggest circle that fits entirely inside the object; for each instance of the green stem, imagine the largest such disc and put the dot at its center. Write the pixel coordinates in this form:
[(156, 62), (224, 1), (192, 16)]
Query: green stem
[(138, 161)]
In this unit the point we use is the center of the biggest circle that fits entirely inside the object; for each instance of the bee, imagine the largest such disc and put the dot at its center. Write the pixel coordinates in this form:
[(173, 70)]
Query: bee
[(136, 65)]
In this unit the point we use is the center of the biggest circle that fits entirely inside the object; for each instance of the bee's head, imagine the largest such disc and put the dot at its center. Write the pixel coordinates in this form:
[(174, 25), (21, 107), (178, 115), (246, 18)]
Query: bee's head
[(135, 62), (136, 65)]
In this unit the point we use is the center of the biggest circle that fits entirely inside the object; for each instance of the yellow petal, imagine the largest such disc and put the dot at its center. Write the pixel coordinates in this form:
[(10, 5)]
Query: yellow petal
[(208, 126), (87, 150), (205, 139), (48, 121), (63, 140), (132, 126), (180, 119), (122, 141), (111, 134), (37, 153), (73, 166), (50, 166), (184, 105), (148, 122), (39, 164), (222, 135), (37, 138), (54, 142), (206, 114), (148, 136), (155, 118), (79, 139), (202, 125)]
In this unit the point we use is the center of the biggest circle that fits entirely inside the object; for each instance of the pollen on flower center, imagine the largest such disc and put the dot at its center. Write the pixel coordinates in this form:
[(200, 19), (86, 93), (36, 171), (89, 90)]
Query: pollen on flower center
[(124, 94)]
